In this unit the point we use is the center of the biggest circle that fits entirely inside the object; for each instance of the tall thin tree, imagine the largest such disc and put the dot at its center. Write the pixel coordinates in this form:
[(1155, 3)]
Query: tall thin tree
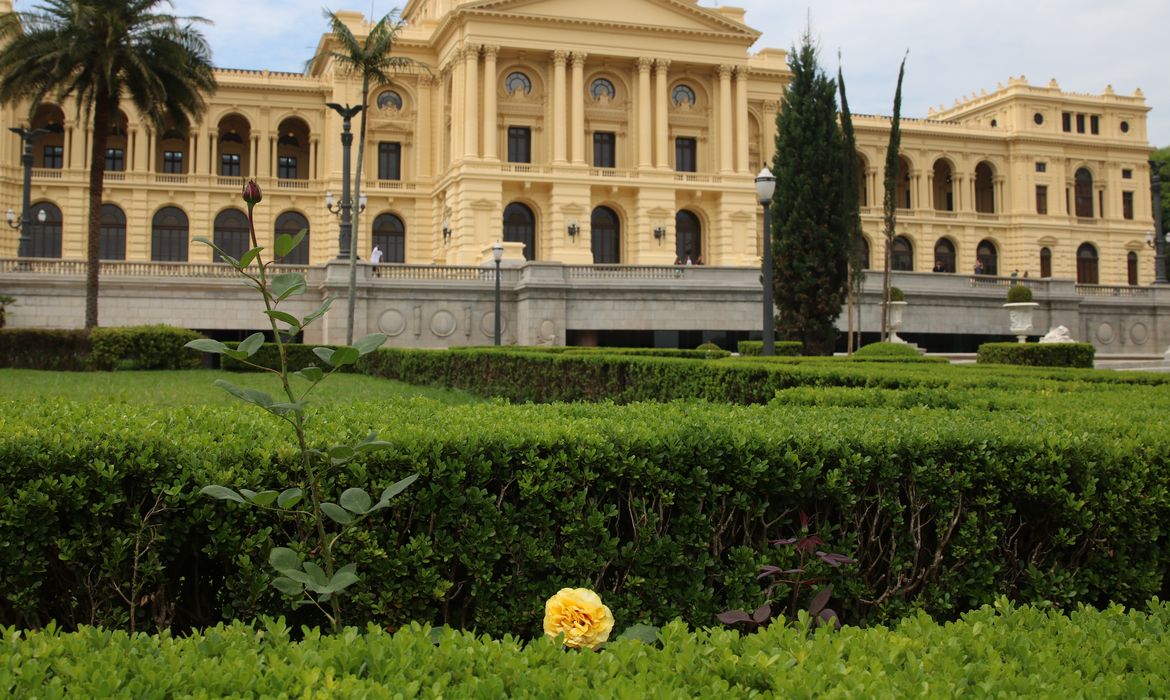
[(371, 60), (852, 208), (100, 52), (811, 240), (890, 197)]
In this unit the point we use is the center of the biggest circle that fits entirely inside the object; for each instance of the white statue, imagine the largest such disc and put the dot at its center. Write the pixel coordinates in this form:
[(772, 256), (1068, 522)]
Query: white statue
[(1058, 335)]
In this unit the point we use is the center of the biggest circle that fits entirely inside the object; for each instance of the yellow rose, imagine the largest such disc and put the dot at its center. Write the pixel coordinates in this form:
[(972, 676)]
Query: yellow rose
[(579, 614)]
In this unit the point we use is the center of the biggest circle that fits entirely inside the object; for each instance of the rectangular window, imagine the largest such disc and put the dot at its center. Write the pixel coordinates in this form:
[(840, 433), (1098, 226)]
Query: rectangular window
[(1127, 205), (115, 159), (1101, 203), (229, 164), (1066, 121), (1126, 174), (684, 155), (389, 160), (1041, 167), (54, 157), (173, 162), (604, 150), (1080, 123), (1094, 124), (519, 144), (1041, 199), (286, 167)]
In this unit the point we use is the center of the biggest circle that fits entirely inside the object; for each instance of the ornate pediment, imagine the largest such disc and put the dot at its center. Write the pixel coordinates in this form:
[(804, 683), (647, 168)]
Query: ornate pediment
[(659, 15)]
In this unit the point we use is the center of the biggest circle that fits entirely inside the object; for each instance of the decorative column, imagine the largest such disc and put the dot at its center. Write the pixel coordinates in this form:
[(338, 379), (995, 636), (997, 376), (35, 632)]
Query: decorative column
[(741, 121), (661, 137), (725, 154), (558, 106), (1000, 203), (490, 110), (577, 108), (314, 162), (768, 149), (457, 102), (424, 128), (644, 112), (471, 102), (253, 165), (193, 151)]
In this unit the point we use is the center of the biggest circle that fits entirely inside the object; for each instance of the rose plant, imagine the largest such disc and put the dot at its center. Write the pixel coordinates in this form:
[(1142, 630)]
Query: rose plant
[(323, 523)]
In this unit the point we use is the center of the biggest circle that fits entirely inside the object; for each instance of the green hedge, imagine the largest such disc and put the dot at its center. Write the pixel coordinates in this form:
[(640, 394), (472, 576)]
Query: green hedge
[(993, 652), (887, 350), (666, 510), (784, 348), (143, 347), (1037, 354), (35, 348), (299, 356)]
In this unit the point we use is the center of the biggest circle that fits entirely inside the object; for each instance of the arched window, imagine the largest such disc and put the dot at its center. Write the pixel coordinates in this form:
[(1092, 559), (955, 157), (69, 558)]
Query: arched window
[(520, 227), (944, 255), (1084, 193), (902, 255), (168, 235), (517, 81), (1087, 264), (602, 89), (292, 222), (902, 184), (988, 256), (112, 233), (688, 237), (606, 234), (682, 95), (230, 234), (1045, 262), (944, 187), (863, 243), (45, 235), (1131, 267), (389, 234), (984, 190)]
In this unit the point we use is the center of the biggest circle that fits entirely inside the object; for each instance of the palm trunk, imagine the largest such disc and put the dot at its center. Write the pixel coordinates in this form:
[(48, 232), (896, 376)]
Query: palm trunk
[(97, 173), (357, 197)]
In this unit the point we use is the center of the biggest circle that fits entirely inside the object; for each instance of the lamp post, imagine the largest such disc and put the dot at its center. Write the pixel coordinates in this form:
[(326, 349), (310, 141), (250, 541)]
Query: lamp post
[(765, 188), (345, 237), (1159, 234), (27, 136), (497, 254)]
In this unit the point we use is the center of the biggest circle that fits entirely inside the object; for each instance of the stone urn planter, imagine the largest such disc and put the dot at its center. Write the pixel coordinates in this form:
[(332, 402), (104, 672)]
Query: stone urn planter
[(897, 308), (1021, 318)]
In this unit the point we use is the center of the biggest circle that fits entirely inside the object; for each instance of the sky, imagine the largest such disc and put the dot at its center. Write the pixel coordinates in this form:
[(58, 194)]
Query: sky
[(956, 47)]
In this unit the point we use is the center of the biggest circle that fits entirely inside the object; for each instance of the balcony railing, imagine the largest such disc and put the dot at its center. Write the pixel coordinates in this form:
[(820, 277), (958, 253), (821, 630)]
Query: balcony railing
[(131, 268), (1104, 290), (446, 273), (290, 184), (47, 173), (169, 179)]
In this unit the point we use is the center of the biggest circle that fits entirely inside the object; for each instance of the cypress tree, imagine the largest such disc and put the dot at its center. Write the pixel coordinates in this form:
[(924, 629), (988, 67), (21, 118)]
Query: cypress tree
[(852, 207), (890, 197), (810, 236)]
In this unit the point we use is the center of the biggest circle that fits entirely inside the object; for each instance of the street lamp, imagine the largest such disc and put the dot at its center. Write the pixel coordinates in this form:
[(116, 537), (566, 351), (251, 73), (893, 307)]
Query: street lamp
[(497, 254), (765, 188), (24, 249), (345, 237), (1157, 237)]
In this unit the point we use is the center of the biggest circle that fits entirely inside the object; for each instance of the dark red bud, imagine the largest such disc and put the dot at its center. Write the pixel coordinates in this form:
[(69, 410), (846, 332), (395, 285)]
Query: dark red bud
[(252, 192)]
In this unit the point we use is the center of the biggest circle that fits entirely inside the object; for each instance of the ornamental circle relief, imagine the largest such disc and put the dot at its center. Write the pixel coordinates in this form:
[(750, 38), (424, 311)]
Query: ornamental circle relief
[(390, 100), (517, 82), (392, 322), (487, 324), (1105, 333), (682, 96), (443, 323), (602, 89), (1139, 333)]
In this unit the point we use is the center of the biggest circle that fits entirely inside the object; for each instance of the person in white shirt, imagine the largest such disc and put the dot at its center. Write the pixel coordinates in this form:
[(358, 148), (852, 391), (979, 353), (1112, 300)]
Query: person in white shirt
[(375, 255)]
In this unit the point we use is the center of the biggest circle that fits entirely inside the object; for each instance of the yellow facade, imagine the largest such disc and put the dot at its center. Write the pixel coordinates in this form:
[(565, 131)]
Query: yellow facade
[(612, 101)]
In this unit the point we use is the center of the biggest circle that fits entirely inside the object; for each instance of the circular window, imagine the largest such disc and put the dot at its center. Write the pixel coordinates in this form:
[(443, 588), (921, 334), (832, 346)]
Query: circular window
[(1038, 118), (1125, 127), (683, 95), (517, 82), (389, 100), (602, 89)]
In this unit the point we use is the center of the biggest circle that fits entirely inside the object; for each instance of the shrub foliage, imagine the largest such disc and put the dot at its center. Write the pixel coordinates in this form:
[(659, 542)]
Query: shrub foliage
[(1037, 354)]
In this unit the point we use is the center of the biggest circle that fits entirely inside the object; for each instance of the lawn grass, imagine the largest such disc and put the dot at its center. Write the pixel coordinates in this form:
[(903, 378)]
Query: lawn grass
[(196, 387)]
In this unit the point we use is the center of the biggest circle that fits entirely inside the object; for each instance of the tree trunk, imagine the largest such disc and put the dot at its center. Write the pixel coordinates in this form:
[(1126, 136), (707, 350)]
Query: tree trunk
[(97, 173), (357, 197)]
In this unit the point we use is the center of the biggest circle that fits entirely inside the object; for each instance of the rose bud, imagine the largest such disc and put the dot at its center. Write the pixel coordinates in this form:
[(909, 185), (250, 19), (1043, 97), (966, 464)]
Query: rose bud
[(252, 193)]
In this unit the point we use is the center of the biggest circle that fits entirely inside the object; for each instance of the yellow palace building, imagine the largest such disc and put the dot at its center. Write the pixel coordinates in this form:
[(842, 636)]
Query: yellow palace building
[(609, 132)]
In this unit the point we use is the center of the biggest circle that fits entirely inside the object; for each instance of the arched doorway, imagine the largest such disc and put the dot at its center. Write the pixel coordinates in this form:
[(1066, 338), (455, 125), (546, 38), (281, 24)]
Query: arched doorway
[(984, 189), (902, 255), (112, 234), (230, 234), (520, 227), (45, 235), (988, 255), (1131, 268), (606, 234), (389, 234), (1045, 262), (1087, 264), (168, 235), (944, 255), (863, 253), (688, 237), (1084, 193), (902, 183), (944, 186), (291, 223)]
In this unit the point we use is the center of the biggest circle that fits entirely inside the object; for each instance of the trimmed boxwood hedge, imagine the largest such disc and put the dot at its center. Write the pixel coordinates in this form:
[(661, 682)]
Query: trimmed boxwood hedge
[(784, 348), (1037, 354), (993, 652), (52, 349), (143, 347)]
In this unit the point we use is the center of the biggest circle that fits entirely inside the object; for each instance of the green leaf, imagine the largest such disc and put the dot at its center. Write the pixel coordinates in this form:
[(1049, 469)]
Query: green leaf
[(289, 497), (255, 396), (346, 576), (285, 243), (369, 343), (264, 498), (282, 558), (251, 344), (339, 454), (287, 586), (337, 514), (371, 443), (247, 258), (285, 317), (647, 634), (326, 355), (398, 487), (221, 492), (285, 408), (344, 356), (311, 373), (236, 354), (318, 313), (206, 345), (247, 493), (317, 577), (288, 284), (355, 500)]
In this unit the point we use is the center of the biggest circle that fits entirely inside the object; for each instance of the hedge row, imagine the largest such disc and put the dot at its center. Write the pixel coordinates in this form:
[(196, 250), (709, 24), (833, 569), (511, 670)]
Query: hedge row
[(784, 348), (994, 652), (131, 347), (1037, 354), (664, 509)]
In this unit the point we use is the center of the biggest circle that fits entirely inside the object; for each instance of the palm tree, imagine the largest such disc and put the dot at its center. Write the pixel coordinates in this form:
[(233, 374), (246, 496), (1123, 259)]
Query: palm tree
[(371, 60), (99, 52)]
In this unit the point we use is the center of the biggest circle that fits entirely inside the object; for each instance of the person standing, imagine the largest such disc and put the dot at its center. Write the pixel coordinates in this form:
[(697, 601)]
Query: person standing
[(375, 255)]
